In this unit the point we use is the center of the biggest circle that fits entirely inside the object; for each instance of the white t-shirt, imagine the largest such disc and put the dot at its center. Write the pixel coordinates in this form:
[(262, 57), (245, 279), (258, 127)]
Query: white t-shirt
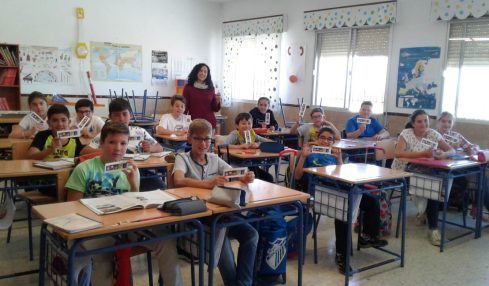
[(136, 135), (94, 126), (27, 123), (169, 123)]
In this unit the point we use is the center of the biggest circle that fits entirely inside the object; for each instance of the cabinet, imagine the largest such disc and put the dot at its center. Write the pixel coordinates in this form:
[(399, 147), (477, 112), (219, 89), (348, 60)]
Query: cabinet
[(9, 77)]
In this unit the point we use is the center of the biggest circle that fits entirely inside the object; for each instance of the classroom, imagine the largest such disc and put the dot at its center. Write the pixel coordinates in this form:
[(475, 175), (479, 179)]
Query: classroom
[(364, 121)]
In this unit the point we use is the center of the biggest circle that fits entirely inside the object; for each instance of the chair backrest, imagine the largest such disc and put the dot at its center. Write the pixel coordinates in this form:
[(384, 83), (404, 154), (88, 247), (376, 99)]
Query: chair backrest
[(19, 149), (292, 153), (389, 146)]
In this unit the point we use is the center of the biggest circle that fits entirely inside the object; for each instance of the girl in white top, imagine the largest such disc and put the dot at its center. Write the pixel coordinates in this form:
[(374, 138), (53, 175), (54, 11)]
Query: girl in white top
[(35, 121), (458, 141), (175, 122), (410, 146)]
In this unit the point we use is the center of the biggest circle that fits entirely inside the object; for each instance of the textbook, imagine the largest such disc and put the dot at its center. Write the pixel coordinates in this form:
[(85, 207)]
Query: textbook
[(127, 201), (56, 165), (73, 223)]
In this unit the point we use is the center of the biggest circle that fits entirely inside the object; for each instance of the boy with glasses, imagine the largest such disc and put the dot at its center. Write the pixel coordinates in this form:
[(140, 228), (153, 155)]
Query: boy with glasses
[(84, 107), (200, 169), (308, 132)]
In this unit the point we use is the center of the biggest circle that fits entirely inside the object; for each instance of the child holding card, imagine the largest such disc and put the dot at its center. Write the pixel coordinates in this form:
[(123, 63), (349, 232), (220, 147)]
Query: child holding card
[(47, 145), (175, 122), (89, 124), (417, 141), (35, 121), (458, 141), (200, 169), (259, 115), (370, 205), (308, 132), (363, 125), (90, 179)]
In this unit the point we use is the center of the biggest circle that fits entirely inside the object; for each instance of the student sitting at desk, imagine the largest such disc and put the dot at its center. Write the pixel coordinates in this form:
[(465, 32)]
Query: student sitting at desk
[(410, 146), (139, 140), (258, 114), (237, 140), (457, 141), (29, 126), (369, 204), (89, 179), (200, 169), (84, 107), (308, 131), (356, 130), (175, 123)]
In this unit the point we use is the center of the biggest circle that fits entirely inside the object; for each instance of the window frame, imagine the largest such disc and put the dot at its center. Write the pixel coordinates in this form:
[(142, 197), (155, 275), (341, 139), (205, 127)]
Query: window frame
[(317, 55), (445, 63)]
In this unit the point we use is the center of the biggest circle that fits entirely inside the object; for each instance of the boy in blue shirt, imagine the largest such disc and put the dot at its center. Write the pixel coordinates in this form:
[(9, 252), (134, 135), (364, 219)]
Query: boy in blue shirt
[(356, 130)]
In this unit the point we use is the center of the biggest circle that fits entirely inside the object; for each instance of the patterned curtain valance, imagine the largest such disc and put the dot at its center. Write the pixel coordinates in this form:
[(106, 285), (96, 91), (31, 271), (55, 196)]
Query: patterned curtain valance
[(265, 25), (461, 9), (362, 15)]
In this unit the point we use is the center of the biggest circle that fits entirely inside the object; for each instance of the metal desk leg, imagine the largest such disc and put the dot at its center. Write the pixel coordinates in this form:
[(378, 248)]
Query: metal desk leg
[(403, 214), (300, 261), (71, 263), (212, 246), (348, 237), (42, 255), (201, 251), (480, 197), (445, 202)]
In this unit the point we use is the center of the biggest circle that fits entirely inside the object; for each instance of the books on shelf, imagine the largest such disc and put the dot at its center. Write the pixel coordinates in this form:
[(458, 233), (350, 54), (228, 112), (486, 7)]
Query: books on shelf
[(8, 76), (56, 165), (7, 57), (73, 223), (127, 201), (4, 106)]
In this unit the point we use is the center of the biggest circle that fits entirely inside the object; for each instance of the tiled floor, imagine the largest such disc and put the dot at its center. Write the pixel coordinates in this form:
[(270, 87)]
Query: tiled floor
[(465, 262)]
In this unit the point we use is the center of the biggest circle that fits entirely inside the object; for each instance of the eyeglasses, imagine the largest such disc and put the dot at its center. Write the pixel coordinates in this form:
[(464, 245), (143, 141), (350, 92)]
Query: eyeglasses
[(316, 116), (329, 139), (83, 111), (202, 140)]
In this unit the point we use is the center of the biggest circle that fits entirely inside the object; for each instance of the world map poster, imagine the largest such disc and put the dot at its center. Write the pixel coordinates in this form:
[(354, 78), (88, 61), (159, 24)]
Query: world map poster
[(418, 78), (115, 62)]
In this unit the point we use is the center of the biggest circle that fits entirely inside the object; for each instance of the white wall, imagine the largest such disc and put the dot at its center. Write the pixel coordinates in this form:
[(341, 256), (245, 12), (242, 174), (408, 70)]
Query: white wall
[(414, 29), (184, 28)]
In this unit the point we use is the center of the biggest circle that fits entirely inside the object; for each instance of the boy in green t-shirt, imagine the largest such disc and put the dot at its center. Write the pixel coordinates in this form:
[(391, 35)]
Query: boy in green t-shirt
[(90, 180)]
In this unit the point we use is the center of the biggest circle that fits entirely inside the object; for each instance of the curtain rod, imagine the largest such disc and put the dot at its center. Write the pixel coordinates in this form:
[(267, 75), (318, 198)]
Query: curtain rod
[(349, 6), (227, 22)]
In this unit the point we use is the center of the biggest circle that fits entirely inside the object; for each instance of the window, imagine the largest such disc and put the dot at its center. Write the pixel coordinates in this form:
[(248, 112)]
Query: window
[(467, 70), (251, 66), (351, 67)]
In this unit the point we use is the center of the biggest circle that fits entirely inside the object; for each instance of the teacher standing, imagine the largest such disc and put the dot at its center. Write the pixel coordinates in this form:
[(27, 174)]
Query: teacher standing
[(201, 99)]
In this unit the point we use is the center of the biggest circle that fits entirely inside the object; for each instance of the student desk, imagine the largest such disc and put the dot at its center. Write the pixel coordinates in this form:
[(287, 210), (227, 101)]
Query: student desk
[(133, 221), (252, 158), (283, 135), (260, 194), (6, 147), (25, 168), (6, 123), (158, 164), (353, 177), (446, 171)]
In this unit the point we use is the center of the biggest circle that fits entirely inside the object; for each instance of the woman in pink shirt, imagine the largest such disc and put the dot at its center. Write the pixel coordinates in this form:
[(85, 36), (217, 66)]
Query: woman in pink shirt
[(200, 95)]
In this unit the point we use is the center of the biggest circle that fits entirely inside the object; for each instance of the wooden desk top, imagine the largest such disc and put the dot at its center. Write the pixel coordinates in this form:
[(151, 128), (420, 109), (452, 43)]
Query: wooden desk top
[(261, 193), (6, 143), (152, 162), (446, 164), (25, 168), (10, 120), (180, 138), (357, 173), (352, 144), (117, 222), (242, 153)]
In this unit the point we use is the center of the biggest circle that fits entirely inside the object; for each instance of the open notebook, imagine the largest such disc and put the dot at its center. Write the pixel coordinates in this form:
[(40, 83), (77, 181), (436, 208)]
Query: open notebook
[(73, 223), (127, 201)]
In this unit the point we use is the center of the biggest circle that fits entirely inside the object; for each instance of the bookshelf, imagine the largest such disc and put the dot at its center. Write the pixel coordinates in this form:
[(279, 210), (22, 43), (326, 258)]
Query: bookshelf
[(9, 77)]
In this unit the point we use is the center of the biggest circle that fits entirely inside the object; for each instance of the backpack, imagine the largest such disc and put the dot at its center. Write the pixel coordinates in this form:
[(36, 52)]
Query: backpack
[(385, 215), (271, 254)]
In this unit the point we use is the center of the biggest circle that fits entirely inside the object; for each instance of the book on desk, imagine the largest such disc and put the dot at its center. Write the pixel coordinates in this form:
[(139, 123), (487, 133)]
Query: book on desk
[(56, 165), (127, 201), (73, 223)]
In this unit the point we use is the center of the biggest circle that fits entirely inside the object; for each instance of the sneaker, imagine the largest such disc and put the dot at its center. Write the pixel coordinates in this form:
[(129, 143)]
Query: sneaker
[(421, 219), (434, 237), (366, 242), (340, 261)]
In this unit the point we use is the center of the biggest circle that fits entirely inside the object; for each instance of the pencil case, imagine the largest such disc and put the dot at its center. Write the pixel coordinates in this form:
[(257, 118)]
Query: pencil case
[(185, 206)]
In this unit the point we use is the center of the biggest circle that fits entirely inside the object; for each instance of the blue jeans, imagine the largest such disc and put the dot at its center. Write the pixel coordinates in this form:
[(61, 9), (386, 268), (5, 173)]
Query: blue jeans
[(242, 274)]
